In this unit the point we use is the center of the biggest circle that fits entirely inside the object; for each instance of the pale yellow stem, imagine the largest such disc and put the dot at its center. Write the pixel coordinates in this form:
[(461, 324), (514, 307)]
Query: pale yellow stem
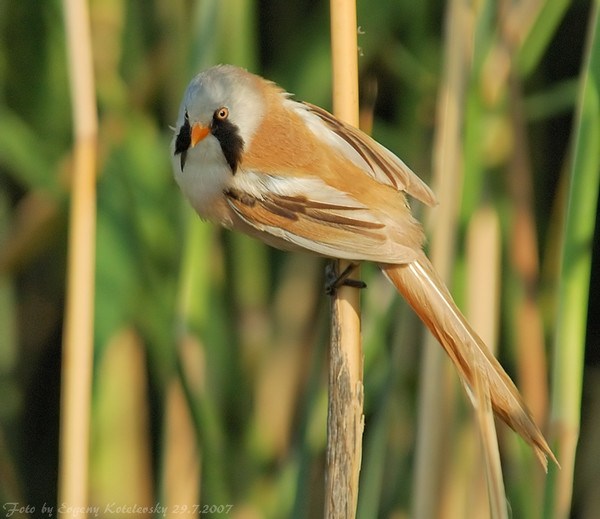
[(345, 415), (79, 313)]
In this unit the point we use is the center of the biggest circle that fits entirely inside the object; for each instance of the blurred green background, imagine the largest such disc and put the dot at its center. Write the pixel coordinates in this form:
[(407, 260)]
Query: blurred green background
[(210, 372)]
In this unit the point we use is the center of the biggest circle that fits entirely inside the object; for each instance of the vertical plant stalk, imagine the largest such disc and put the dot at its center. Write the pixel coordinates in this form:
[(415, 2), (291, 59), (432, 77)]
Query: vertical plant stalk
[(573, 292), (345, 421), (483, 302), (79, 313), (434, 399)]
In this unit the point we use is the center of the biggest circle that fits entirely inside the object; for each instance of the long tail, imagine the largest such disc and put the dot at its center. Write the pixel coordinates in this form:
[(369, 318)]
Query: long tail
[(427, 294)]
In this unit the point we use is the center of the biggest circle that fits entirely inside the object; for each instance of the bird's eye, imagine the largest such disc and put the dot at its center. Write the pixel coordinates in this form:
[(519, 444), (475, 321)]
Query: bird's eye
[(222, 113)]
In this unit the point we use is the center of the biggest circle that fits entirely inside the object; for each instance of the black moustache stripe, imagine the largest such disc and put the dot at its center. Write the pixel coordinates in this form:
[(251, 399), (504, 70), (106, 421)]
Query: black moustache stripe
[(232, 144), (183, 141)]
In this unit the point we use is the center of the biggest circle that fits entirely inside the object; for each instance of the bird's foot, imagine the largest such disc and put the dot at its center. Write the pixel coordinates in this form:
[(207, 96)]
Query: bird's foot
[(333, 280)]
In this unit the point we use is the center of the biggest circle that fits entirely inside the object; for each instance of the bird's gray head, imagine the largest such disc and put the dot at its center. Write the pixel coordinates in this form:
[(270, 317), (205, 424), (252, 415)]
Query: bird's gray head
[(222, 103)]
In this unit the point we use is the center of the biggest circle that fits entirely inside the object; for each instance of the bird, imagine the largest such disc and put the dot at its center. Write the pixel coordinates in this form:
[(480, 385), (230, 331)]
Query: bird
[(251, 158)]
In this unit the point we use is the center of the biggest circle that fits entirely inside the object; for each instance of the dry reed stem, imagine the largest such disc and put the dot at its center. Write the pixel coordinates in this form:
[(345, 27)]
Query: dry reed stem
[(345, 416), (182, 462), (483, 301), (121, 432), (447, 181), (79, 313), (483, 267)]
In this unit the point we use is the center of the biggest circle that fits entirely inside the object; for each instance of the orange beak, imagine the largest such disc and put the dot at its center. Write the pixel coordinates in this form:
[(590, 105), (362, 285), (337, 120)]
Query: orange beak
[(198, 133)]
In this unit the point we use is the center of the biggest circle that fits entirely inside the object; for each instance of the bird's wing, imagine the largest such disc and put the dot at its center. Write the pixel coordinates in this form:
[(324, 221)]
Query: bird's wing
[(309, 214), (370, 156)]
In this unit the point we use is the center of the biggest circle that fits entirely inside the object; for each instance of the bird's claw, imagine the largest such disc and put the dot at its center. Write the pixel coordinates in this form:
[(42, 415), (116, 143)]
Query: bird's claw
[(333, 280)]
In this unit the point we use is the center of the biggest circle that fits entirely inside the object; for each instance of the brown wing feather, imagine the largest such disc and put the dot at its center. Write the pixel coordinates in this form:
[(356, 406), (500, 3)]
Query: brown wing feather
[(384, 165), (327, 229)]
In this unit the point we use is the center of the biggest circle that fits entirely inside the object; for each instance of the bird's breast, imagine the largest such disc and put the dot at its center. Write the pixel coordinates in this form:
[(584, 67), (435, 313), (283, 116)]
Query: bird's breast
[(205, 176)]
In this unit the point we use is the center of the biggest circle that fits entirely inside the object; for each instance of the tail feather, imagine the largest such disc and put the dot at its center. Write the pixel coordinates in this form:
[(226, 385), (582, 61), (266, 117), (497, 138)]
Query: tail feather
[(420, 285)]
